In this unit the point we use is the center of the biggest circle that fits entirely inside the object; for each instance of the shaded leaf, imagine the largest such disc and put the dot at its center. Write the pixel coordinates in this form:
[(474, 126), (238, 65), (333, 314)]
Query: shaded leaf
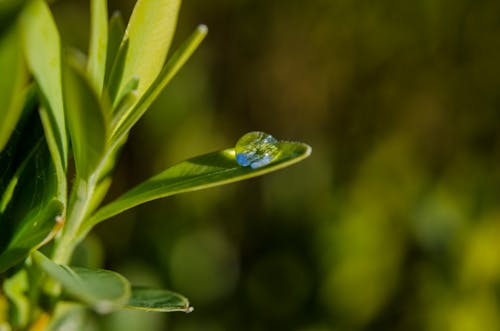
[(43, 53), (86, 120), (115, 35), (104, 290), (150, 299), (26, 135), (116, 73), (150, 31), (201, 172), (12, 84), (33, 210), (128, 89), (98, 42)]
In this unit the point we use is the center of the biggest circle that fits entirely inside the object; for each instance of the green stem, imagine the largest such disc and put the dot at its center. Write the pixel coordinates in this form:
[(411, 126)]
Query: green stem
[(79, 208), (82, 202)]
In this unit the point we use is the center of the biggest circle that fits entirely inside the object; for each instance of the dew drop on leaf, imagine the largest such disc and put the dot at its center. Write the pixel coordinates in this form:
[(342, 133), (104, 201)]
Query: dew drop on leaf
[(256, 149)]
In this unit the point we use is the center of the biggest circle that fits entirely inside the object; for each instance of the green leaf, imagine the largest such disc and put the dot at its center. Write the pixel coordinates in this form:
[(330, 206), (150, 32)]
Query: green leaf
[(116, 73), (125, 93), (86, 119), (33, 211), (103, 290), (115, 36), (150, 31), (43, 53), (172, 66), (27, 134), (198, 173), (98, 42), (150, 299), (14, 78)]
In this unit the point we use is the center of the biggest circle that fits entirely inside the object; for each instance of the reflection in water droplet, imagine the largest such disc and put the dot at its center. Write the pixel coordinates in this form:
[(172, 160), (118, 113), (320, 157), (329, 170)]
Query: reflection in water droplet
[(256, 149)]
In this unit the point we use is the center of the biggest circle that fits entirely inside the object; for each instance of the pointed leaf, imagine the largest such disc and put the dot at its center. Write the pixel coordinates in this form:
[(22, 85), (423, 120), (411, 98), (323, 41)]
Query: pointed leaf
[(14, 78), (86, 120), (201, 172), (150, 299), (98, 42), (150, 31), (104, 290), (116, 73), (115, 36), (43, 53), (172, 66), (33, 210)]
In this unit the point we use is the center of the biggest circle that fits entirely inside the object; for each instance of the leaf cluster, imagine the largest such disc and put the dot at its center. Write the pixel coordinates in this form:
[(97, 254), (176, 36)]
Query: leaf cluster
[(60, 107)]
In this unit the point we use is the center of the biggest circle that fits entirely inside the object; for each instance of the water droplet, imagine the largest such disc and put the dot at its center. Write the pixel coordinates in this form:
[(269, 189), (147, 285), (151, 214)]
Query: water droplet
[(256, 149)]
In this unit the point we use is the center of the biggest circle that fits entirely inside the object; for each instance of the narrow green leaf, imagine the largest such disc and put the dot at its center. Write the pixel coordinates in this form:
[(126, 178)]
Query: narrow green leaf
[(128, 89), (198, 173), (106, 173), (176, 61), (115, 76), (33, 211), (14, 78), (115, 36), (103, 290), (43, 53), (60, 164), (125, 104), (150, 299), (98, 42), (150, 31), (86, 120)]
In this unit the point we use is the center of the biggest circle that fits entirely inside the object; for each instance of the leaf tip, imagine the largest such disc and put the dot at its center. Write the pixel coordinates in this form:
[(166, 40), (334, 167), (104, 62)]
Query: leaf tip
[(308, 150)]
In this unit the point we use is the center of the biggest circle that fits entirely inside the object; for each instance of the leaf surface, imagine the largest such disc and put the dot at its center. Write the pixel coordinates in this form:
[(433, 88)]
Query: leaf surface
[(26, 135), (14, 78), (150, 299), (150, 32), (98, 42), (32, 210), (104, 290), (200, 172), (116, 30), (43, 53), (86, 120)]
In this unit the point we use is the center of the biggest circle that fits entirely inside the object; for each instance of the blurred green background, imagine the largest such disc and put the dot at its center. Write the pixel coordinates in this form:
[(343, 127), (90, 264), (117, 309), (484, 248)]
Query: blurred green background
[(393, 223)]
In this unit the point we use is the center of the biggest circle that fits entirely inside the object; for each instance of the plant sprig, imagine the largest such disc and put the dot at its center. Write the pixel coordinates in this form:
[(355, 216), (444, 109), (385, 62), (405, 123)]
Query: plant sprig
[(85, 110)]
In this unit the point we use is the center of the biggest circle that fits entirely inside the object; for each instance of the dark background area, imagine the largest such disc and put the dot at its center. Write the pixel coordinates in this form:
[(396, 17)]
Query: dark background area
[(393, 223)]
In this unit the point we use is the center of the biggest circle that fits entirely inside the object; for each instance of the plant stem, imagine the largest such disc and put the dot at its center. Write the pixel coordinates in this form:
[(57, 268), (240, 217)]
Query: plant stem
[(79, 208)]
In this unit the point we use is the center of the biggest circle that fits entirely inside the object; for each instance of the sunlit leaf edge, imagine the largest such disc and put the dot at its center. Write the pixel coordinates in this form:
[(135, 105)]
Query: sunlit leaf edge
[(149, 305), (291, 153)]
